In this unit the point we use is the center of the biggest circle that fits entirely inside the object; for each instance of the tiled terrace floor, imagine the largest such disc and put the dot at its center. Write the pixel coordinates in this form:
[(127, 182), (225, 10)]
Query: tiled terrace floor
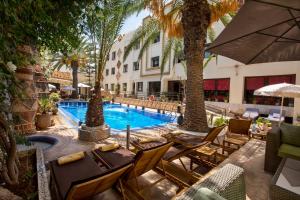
[(250, 157)]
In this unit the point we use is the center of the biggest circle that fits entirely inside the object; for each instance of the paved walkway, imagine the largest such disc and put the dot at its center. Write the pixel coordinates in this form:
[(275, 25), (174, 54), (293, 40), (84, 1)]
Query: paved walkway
[(250, 157)]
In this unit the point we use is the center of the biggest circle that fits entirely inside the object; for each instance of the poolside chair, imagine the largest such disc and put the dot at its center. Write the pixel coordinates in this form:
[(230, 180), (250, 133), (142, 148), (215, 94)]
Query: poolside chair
[(197, 142), (251, 113), (238, 133), (67, 183), (274, 115), (145, 160), (86, 189)]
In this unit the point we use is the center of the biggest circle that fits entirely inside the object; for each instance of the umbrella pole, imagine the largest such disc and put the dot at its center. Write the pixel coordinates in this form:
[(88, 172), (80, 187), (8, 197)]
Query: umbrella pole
[(281, 107)]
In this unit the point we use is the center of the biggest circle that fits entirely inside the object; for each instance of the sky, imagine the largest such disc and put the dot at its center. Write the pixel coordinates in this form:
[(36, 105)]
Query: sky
[(134, 21)]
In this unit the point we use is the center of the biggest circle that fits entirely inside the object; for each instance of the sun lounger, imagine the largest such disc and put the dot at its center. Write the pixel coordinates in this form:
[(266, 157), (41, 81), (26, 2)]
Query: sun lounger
[(82, 179), (188, 144), (251, 113), (274, 115), (145, 160)]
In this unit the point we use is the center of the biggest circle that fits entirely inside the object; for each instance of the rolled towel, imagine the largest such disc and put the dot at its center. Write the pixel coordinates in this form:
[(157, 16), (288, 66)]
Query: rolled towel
[(109, 147), (70, 158), (146, 140)]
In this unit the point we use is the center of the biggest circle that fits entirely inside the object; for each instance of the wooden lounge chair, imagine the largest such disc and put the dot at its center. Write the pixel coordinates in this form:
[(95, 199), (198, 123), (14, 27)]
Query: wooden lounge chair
[(238, 133), (188, 145), (86, 189), (82, 179), (145, 160)]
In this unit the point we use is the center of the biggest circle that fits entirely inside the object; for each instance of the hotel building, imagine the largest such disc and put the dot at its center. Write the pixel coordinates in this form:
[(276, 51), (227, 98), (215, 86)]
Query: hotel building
[(228, 83)]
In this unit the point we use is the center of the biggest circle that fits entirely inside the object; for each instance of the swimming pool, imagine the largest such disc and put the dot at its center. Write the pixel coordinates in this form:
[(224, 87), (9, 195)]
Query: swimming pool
[(117, 116)]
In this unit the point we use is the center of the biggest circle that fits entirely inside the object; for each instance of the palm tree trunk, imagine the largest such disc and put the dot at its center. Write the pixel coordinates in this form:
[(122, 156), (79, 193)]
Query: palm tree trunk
[(94, 115), (195, 21), (74, 66)]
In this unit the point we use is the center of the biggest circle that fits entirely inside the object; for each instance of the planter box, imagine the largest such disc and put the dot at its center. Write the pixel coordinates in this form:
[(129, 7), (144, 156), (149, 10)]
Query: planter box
[(41, 175)]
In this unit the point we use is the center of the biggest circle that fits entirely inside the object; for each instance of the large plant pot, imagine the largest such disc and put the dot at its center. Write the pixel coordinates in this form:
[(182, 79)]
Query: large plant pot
[(93, 134), (43, 121), (25, 107)]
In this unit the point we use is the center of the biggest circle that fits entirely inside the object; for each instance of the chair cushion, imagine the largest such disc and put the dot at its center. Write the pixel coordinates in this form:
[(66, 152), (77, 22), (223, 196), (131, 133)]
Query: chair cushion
[(290, 134), (207, 194), (289, 151)]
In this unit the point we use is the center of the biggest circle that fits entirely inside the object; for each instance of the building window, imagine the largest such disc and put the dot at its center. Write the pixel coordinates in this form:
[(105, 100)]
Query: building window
[(125, 68), (113, 56), (155, 61), (124, 87), (140, 86), (112, 87), (216, 89), (106, 87), (113, 71), (107, 72), (136, 66), (107, 57), (157, 39), (137, 46), (254, 83)]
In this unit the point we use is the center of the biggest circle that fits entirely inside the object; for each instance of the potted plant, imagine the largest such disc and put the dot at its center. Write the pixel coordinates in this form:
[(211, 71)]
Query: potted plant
[(54, 98), (43, 119)]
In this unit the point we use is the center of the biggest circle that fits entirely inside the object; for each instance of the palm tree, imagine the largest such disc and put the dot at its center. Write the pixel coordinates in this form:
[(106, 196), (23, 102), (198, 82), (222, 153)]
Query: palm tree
[(190, 20), (75, 58), (104, 22)]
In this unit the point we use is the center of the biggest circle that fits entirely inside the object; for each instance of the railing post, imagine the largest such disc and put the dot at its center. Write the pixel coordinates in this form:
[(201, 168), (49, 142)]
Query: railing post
[(128, 137)]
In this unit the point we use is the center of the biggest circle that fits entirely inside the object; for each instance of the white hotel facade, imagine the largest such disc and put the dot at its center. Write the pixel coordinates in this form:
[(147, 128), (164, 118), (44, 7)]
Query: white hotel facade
[(227, 84)]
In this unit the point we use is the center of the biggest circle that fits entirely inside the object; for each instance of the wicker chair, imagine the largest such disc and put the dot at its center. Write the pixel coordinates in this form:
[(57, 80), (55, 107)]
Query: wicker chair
[(228, 182)]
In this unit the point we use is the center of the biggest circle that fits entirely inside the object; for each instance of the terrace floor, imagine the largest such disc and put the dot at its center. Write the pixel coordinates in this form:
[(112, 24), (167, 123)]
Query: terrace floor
[(250, 157)]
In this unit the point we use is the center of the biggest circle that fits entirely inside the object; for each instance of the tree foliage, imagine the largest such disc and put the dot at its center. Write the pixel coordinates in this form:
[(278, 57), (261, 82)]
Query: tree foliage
[(104, 21), (33, 24)]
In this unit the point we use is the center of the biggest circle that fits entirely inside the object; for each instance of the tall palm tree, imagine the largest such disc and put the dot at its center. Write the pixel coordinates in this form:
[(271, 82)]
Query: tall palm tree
[(75, 58), (190, 20), (104, 22)]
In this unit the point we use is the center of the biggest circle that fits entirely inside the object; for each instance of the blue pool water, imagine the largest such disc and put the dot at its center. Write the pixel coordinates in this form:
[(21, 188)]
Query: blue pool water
[(117, 116)]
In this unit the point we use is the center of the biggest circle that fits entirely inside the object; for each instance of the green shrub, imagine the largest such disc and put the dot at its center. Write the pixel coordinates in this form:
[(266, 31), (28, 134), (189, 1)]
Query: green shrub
[(54, 97), (261, 121), (45, 105), (21, 139), (221, 121)]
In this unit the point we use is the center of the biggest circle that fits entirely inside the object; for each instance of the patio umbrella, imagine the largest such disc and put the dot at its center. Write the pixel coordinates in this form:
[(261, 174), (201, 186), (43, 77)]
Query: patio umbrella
[(68, 88), (81, 85), (51, 87), (283, 90), (262, 31)]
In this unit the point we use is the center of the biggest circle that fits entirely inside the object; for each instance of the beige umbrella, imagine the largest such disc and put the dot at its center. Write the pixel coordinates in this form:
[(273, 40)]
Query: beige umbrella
[(283, 90)]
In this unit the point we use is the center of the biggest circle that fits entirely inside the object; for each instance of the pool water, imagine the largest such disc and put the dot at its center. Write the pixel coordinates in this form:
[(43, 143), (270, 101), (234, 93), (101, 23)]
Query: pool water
[(118, 117)]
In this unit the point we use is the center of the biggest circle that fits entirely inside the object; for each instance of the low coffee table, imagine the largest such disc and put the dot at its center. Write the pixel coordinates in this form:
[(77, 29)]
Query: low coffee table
[(285, 184)]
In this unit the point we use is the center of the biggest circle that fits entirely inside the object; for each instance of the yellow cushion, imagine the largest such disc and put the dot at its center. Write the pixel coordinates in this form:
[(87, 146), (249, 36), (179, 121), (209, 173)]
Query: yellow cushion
[(70, 158), (109, 147)]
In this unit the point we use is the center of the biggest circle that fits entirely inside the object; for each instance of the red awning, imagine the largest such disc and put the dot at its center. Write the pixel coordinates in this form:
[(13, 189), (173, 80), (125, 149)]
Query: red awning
[(223, 84), (253, 83), (280, 79), (209, 84)]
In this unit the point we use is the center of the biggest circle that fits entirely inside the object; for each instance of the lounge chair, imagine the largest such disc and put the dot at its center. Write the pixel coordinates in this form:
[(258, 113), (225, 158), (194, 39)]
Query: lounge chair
[(274, 115), (189, 144), (145, 160), (238, 133), (251, 113), (67, 183)]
